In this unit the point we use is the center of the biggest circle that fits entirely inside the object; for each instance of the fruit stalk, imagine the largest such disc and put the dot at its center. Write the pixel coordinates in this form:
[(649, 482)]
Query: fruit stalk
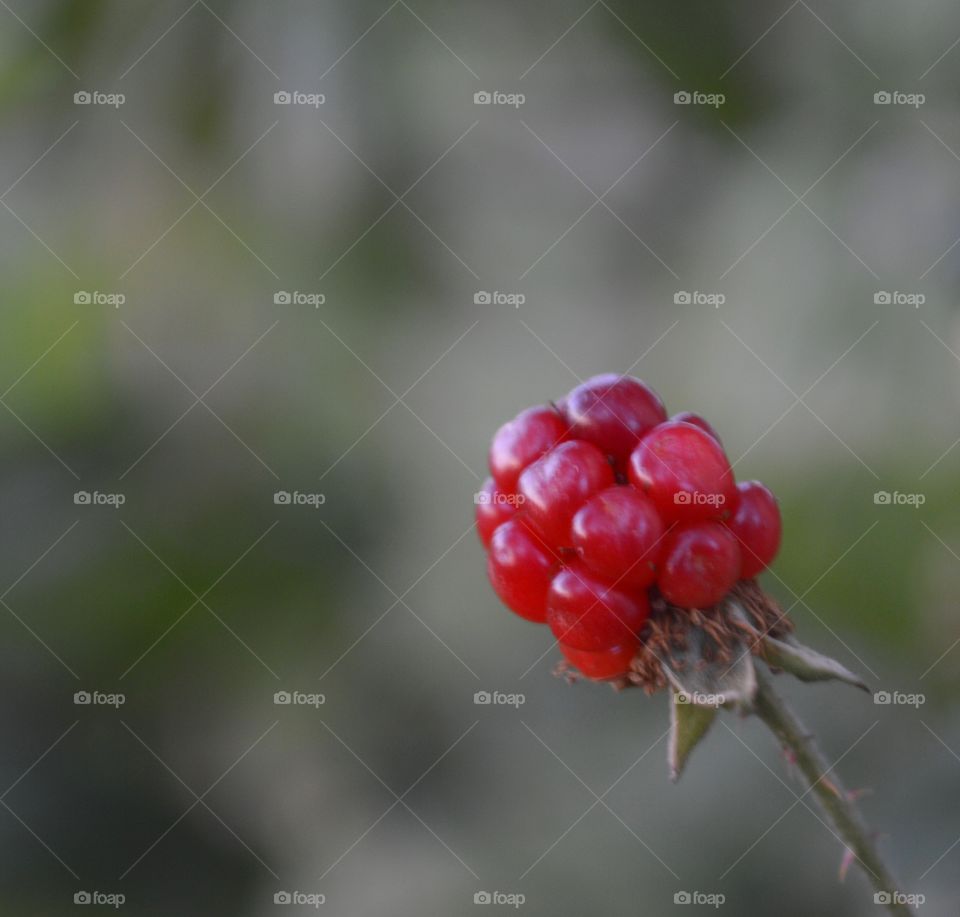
[(836, 803)]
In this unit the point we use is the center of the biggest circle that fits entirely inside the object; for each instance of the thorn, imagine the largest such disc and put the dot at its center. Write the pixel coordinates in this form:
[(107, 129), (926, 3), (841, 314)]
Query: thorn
[(831, 786), (854, 795), (848, 857)]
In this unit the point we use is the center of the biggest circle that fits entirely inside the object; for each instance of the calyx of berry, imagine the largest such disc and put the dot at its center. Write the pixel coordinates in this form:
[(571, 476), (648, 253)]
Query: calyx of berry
[(710, 667)]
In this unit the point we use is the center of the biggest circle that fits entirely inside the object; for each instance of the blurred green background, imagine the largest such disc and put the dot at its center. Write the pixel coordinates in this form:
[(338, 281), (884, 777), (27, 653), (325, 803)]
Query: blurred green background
[(396, 201)]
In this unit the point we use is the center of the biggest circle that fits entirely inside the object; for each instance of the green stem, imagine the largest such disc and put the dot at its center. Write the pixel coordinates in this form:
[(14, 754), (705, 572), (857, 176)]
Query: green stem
[(836, 803)]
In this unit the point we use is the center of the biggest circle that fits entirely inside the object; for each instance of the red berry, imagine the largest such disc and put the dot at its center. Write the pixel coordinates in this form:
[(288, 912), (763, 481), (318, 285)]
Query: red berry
[(684, 471), (586, 614), (617, 534), (701, 563), (494, 507), (520, 570), (697, 421), (523, 440), (555, 486), (603, 663), (756, 524), (613, 412)]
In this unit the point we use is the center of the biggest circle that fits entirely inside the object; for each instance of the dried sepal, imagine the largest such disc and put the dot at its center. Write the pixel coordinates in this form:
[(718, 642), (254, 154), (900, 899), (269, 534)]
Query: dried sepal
[(807, 664), (785, 652)]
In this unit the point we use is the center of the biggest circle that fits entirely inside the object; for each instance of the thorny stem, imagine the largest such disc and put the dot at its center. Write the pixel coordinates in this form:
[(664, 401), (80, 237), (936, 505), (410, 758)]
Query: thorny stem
[(834, 800)]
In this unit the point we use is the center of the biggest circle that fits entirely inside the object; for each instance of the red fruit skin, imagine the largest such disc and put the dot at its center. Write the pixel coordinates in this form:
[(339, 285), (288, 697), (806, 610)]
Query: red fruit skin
[(521, 441), (613, 412), (555, 486), (697, 421), (586, 614), (520, 570), (493, 508), (701, 564), (685, 472), (603, 664), (756, 524), (619, 536)]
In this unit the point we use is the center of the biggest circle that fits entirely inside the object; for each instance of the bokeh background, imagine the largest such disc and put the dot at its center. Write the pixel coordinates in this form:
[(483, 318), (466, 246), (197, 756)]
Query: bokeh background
[(396, 201)]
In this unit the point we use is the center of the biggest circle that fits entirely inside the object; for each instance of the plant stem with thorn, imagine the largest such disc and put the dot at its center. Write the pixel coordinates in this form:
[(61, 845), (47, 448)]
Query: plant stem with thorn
[(836, 803)]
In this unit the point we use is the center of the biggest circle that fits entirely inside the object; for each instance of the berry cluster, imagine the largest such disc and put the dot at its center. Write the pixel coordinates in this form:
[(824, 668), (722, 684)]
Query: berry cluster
[(601, 503)]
